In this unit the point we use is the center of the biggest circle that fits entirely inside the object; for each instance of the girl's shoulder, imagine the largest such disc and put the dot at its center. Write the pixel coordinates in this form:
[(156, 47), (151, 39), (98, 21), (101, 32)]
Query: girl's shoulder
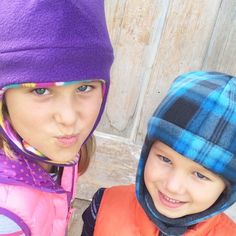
[(20, 171)]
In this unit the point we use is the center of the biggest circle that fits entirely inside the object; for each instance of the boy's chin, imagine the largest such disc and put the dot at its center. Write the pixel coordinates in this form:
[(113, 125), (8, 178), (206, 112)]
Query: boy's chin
[(171, 213)]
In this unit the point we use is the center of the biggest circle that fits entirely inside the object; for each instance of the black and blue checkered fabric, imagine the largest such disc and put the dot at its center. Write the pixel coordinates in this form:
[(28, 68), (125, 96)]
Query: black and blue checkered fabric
[(197, 118)]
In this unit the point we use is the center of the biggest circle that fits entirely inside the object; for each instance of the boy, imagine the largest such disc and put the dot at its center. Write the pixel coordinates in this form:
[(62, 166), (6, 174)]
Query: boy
[(186, 174)]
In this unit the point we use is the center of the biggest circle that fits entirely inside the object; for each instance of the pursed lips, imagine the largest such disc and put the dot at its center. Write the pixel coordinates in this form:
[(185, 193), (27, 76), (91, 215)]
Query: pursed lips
[(68, 140)]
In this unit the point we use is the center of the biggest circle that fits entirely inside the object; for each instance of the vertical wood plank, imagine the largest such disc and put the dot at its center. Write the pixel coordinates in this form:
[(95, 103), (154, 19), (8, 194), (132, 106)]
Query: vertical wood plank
[(115, 10), (221, 55), (134, 37), (183, 45)]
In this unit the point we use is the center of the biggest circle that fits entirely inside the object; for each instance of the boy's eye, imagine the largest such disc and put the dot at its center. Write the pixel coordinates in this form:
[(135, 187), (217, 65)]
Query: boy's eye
[(201, 176), (41, 91), (84, 88), (164, 159)]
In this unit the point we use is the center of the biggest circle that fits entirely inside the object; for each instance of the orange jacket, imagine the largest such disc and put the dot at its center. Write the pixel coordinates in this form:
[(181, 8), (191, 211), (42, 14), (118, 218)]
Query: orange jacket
[(120, 214)]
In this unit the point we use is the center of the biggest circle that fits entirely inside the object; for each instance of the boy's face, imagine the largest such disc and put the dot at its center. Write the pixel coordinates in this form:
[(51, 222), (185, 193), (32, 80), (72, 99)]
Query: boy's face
[(177, 185), (55, 120)]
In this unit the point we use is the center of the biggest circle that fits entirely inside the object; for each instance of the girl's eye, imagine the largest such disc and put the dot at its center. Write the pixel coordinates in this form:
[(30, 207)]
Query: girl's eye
[(164, 159), (201, 176), (84, 88), (41, 91)]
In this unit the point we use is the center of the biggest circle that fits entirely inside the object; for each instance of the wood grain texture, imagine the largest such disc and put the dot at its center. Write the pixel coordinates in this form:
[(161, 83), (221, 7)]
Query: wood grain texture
[(183, 45), (221, 55), (133, 36)]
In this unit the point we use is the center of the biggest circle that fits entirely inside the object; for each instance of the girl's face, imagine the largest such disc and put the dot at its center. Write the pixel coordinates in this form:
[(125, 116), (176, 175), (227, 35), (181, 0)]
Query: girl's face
[(55, 120), (177, 185)]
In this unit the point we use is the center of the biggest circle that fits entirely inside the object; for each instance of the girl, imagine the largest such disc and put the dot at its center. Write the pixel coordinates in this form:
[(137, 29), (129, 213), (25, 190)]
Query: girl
[(55, 62)]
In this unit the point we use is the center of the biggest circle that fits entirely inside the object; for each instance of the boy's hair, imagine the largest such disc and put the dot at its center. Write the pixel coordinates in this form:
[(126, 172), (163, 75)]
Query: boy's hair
[(197, 119)]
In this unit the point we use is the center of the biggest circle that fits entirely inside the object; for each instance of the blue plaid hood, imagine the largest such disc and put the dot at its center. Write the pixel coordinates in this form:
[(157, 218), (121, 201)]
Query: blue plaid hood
[(197, 118)]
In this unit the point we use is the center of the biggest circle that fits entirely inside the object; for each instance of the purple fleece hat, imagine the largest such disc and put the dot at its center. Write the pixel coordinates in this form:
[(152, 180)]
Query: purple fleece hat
[(45, 41), (53, 41)]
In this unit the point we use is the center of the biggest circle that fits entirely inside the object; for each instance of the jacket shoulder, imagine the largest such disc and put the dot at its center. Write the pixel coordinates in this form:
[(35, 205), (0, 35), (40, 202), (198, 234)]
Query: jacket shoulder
[(218, 225), (225, 225), (121, 190)]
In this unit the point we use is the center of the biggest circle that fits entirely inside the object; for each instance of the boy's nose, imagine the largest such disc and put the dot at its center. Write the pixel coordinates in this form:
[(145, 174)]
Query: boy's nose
[(175, 183)]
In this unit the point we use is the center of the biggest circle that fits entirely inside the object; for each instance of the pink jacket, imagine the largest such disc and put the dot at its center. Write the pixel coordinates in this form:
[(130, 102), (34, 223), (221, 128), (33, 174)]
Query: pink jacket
[(39, 207)]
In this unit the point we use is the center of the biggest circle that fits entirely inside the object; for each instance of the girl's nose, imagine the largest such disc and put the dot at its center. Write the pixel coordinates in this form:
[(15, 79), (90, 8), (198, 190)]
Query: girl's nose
[(65, 112)]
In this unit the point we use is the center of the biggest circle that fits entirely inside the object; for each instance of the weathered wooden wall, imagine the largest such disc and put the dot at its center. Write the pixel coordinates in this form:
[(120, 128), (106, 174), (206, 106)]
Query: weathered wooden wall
[(154, 41)]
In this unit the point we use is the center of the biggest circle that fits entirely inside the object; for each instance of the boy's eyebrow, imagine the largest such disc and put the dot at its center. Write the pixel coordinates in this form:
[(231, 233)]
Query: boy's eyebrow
[(158, 148), (207, 171)]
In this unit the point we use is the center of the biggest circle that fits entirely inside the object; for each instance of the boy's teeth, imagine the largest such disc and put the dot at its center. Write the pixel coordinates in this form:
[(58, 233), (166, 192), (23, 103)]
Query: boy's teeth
[(171, 200)]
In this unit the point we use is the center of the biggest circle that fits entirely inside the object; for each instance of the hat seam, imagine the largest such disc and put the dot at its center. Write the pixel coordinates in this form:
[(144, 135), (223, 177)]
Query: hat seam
[(43, 48)]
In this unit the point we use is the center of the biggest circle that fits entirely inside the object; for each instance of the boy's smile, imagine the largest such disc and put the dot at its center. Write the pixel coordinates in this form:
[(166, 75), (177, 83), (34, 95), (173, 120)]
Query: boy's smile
[(177, 185), (169, 202), (55, 120)]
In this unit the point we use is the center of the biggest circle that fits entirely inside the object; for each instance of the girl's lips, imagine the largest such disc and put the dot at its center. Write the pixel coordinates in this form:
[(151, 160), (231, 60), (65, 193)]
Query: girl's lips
[(67, 141), (169, 202)]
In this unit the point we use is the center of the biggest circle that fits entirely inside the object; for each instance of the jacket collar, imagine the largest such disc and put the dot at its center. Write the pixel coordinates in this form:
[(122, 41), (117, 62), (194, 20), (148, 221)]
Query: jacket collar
[(25, 172)]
